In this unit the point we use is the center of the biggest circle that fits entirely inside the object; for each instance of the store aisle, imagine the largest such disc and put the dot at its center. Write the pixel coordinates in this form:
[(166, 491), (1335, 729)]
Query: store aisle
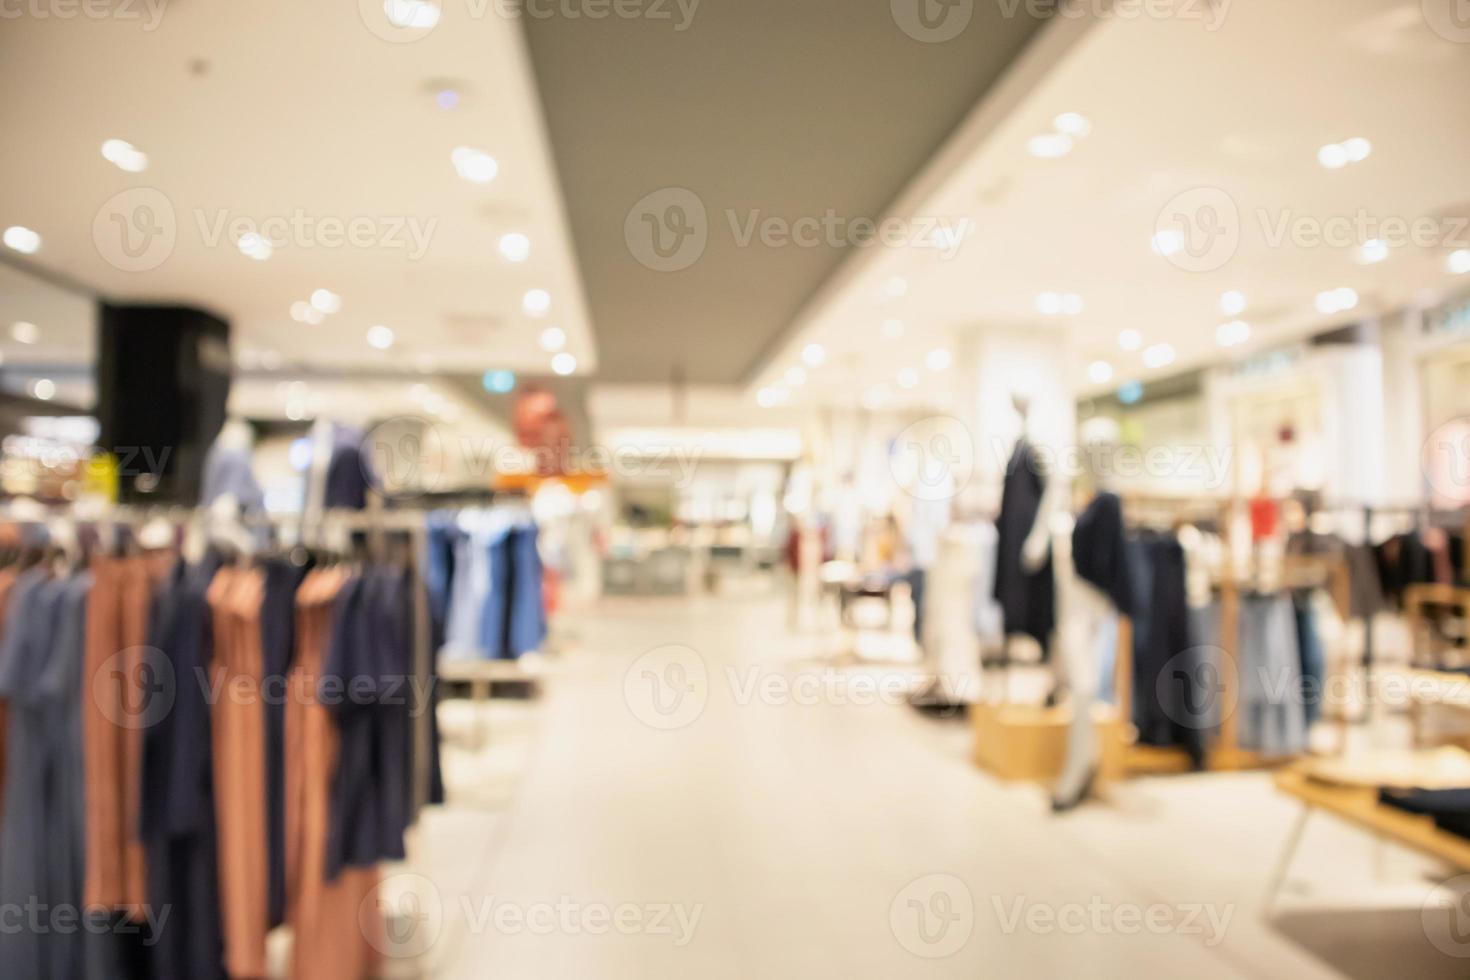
[(800, 836)]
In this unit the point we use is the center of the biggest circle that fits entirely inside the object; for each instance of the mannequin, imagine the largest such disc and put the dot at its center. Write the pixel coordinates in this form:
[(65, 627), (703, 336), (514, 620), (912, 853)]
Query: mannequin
[(229, 483), (1023, 572), (1086, 612)]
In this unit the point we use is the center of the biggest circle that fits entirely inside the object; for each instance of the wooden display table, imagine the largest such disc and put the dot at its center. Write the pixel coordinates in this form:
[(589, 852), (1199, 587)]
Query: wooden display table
[(1359, 806)]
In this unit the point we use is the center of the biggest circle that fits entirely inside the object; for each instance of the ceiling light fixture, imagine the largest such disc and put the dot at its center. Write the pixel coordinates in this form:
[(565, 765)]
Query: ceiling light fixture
[(1159, 355), (1232, 334), (553, 339), (21, 239), (380, 337), (795, 377), (1357, 149), (1073, 124), (326, 300), (1167, 242), (25, 332), (1050, 146), (515, 247), (536, 302), (475, 166), (1099, 372), (563, 363), (1232, 302), (938, 359), (499, 382), (815, 355), (908, 378), (125, 156), (896, 287), (44, 389), (1130, 340), (418, 14), (253, 245), (1336, 300), (1333, 156), (1372, 252), (1459, 261)]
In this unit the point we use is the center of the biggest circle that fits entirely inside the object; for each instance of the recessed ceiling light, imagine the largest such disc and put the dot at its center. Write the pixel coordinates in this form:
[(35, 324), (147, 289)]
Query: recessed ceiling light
[(1372, 251), (300, 310), (563, 363), (515, 247), (1168, 242), (326, 300), (1336, 300), (1232, 302), (1159, 355), (1333, 156), (1130, 340), (44, 389), (795, 377), (1056, 304), (499, 382), (1073, 124), (938, 359), (1459, 261), (447, 99), (1232, 334), (475, 166), (1357, 149), (254, 246), (553, 339), (770, 397), (814, 355), (25, 332), (21, 239), (125, 156), (892, 329), (418, 14), (1099, 372), (380, 337), (536, 302), (1050, 146), (908, 378), (896, 287)]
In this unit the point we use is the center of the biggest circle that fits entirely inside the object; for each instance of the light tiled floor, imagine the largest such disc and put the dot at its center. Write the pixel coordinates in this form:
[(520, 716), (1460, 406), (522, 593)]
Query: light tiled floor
[(822, 834)]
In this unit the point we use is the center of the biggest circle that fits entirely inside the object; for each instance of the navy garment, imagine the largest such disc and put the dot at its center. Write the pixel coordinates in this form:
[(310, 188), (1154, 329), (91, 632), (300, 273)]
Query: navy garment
[(41, 829), (278, 645), (177, 822), (1313, 661), (1450, 808), (1173, 688), (1099, 551), (349, 474), (1027, 599), (227, 470), (513, 621), (365, 684)]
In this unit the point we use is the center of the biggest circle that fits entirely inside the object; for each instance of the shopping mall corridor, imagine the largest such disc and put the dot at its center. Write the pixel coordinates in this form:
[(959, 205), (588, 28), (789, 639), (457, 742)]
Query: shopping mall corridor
[(786, 831)]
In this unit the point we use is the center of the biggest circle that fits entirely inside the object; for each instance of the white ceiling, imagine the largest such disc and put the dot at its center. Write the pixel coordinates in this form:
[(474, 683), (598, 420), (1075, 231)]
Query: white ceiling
[(304, 112), (1173, 106)]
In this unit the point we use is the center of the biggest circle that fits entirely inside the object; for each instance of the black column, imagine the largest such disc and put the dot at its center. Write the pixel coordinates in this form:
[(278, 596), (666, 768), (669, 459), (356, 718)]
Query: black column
[(163, 377)]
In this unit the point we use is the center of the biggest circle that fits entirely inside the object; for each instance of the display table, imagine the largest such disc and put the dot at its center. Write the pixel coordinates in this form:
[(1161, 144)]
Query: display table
[(1359, 806)]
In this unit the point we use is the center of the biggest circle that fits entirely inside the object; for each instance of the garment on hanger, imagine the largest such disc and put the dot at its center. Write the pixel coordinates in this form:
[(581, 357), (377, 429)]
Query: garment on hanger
[(332, 939), (277, 645), (42, 828), (349, 473), (496, 606), (1100, 551), (177, 822), (238, 719), (1272, 716), (1171, 691), (1027, 598), (228, 470), (8, 578), (1313, 660)]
